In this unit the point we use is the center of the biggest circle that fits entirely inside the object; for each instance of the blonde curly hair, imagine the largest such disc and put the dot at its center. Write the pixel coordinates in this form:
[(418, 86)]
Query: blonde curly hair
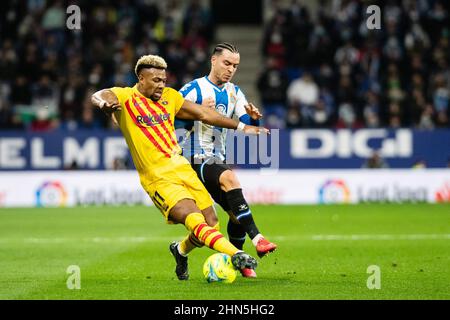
[(149, 61)]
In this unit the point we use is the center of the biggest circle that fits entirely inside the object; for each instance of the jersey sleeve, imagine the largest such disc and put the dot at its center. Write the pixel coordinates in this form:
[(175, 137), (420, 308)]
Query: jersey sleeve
[(121, 94), (178, 99), (189, 92), (241, 102), (240, 111)]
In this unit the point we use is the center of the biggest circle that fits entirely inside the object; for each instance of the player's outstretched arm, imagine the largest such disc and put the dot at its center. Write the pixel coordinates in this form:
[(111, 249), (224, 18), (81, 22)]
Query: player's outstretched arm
[(192, 111), (107, 101)]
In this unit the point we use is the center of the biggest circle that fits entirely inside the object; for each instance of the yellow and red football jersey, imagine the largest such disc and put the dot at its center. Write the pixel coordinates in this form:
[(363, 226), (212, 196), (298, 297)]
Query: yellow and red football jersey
[(148, 128)]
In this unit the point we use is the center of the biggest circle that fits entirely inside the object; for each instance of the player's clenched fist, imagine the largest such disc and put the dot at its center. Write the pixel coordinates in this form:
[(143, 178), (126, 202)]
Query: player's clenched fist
[(109, 108), (252, 111)]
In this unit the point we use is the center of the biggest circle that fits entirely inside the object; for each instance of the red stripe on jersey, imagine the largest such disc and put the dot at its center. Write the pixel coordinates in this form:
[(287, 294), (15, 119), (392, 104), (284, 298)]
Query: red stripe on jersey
[(155, 128), (164, 110), (145, 131), (162, 124), (213, 241)]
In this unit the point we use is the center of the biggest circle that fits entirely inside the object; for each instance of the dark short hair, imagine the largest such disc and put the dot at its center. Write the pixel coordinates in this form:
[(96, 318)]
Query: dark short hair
[(218, 49)]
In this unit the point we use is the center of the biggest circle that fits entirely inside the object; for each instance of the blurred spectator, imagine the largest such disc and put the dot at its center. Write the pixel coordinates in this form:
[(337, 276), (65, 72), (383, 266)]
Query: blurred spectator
[(197, 19), (395, 122), (303, 93), (347, 54), (293, 119), (442, 120), (441, 94), (320, 115), (42, 64), (426, 120), (375, 162), (43, 121), (371, 110), (272, 86), (275, 37), (384, 77), (347, 117), (20, 91), (357, 75), (419, 164)]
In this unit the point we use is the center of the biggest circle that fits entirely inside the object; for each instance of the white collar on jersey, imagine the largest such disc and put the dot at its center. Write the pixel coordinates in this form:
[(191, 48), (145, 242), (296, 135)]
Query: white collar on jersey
[(215, 86)]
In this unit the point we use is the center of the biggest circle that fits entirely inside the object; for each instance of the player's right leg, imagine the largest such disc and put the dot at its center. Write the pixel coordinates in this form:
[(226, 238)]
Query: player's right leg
[(203, 201), (224, 187), (239, 208)]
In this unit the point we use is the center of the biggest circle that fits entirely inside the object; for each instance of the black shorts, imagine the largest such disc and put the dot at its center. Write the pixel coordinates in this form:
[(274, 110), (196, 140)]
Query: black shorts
[(209, 171)]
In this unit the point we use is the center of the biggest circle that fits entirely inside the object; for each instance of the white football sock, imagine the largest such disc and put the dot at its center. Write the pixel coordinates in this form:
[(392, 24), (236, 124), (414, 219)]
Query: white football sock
[(256, 239)]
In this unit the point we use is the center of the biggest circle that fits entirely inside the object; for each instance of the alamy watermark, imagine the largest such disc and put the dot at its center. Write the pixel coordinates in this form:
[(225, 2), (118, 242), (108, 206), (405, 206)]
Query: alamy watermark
[(73, 21), (232, 148), (374, 20), (74, 280), (374, 280)]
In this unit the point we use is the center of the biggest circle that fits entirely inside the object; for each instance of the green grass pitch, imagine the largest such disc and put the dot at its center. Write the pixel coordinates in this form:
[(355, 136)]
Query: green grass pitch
[(324, 252)]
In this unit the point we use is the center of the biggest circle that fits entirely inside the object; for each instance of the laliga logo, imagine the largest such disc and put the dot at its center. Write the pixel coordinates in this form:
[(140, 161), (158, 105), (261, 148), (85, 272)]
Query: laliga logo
[(51, 194), (334, 191), (443, 194)]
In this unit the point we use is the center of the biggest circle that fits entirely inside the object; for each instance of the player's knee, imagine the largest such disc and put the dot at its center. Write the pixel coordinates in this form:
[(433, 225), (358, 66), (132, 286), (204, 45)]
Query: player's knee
[(210, 216), (228, 180), (193, 220), (233, 218), (182, 210)]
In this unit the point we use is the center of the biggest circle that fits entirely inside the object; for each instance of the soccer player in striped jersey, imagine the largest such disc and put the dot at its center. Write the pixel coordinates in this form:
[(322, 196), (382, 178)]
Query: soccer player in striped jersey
[(145, 114), (205, 147)]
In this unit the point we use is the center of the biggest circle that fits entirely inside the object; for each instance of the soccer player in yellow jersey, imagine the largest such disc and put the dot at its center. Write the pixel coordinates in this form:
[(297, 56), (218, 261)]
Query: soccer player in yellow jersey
[(145, 114)]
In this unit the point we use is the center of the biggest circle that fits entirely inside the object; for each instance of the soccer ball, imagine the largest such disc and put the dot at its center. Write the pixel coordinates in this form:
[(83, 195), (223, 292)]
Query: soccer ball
[(219, 268)]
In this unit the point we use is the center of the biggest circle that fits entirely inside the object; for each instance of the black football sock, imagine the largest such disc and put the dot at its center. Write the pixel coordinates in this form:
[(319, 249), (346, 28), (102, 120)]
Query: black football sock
[(236, 234), (242, 211)]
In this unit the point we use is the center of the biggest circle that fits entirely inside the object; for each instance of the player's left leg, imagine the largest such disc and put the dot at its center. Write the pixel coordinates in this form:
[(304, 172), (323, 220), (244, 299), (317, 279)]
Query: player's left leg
[(229, 183)]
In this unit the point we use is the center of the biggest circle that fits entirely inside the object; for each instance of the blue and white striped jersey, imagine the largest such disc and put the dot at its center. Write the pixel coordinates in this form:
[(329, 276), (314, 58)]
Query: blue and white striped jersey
[(203, 140)]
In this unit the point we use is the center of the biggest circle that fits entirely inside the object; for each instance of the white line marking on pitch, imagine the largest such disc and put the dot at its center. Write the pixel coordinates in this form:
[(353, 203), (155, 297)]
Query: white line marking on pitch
[(362, 237), (316, 237)]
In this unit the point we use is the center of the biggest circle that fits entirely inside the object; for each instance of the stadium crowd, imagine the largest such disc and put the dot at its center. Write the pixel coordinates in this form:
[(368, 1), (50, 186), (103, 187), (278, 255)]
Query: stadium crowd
[(48, 71), (322, 69), (329, 70)]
